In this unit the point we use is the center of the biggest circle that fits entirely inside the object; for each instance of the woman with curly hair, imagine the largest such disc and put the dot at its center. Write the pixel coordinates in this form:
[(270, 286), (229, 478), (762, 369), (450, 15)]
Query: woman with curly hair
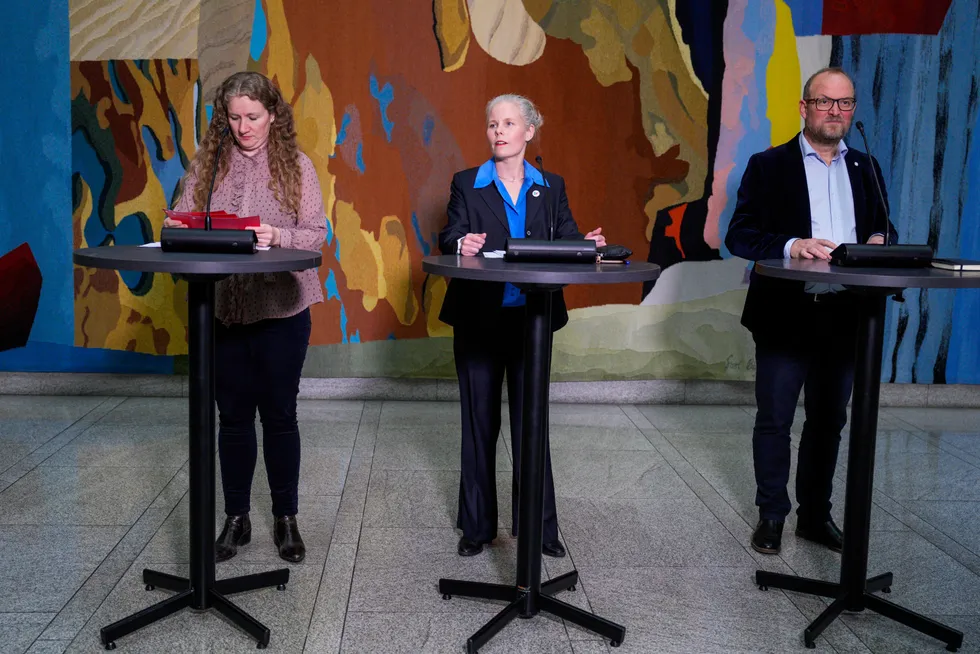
[(263, 320)]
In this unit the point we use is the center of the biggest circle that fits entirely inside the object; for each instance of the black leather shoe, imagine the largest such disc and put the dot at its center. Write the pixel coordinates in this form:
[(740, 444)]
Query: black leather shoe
[(467, 547), (824, 533), (286, 536), (555, 550), (768, 536), (237, 531)]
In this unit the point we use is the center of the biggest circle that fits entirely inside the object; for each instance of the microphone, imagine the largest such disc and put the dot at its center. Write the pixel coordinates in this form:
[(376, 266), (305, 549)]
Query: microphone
[(860, 255), (214, 178), (881, 196), (207, 240), (551, 217)]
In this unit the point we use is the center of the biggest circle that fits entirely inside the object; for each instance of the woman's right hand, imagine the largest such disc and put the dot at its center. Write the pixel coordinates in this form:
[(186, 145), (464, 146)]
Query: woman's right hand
[(167, 222), (471, 244)]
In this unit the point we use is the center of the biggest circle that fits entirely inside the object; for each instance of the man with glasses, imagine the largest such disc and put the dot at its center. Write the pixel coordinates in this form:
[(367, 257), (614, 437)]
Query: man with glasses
[(800, 200)]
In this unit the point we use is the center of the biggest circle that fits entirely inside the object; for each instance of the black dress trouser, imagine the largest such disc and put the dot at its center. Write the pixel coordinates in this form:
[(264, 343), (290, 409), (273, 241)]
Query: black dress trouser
[(484, 355)]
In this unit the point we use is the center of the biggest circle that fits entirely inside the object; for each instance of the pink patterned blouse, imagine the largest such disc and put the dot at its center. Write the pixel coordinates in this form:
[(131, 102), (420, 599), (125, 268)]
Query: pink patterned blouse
[(244, 191)]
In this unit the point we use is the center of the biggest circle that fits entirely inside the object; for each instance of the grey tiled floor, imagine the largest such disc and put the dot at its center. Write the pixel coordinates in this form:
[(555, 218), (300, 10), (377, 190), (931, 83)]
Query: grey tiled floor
[(655, 505)]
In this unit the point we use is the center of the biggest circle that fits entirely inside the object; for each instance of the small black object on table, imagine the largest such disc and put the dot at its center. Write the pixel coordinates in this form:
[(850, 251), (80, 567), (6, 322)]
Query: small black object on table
[(855, 590), (202, 591), (528, 596)]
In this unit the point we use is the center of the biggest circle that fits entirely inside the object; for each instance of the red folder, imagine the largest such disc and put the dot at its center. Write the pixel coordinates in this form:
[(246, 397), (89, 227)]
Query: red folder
[(219, 219)]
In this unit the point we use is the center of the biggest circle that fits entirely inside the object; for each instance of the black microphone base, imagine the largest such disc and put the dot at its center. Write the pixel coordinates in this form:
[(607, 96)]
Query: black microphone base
[(211, 241), (863, 255), (562, 251)]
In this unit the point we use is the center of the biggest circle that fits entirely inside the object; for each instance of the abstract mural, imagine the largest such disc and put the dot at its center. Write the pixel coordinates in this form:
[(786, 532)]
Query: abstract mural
[(652, 108)]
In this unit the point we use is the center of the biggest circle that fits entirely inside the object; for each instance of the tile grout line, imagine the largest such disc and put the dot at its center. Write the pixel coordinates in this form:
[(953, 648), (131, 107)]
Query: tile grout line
[(59, 434), (357, 546), (110, 552), (364, 409), (727, 503)]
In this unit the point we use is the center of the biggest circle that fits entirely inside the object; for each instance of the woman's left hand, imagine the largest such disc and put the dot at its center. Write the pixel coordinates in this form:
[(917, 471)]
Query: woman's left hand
[(596, 235), (267, 234)]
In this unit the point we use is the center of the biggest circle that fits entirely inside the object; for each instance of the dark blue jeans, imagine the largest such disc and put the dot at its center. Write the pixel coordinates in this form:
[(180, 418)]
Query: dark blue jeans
[(258, 366), (822, 366)]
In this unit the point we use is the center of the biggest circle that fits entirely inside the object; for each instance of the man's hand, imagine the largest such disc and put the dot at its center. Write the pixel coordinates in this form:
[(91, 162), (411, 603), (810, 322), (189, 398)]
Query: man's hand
[(811, 248), (876, 239), (472, 244), (267, 234), (596, 235)]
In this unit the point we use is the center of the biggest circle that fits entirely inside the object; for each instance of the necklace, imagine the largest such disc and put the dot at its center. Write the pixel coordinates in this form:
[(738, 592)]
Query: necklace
[(516, 179)]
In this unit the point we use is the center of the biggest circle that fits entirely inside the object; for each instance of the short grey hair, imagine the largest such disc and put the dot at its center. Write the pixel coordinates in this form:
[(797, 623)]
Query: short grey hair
[(829, 69), (529, 112)]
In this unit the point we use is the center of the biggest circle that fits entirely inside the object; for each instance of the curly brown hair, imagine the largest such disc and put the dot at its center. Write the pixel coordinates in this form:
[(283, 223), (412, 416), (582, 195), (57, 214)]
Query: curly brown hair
[(287, 182)]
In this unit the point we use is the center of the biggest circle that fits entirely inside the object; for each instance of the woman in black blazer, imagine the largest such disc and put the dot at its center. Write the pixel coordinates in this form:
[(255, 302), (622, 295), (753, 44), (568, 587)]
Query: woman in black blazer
[(504, 198)]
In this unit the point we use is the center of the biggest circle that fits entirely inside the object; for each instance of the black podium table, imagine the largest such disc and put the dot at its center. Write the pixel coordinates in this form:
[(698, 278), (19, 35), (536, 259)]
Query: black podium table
[(528, 596), (855, 591), (201, 592)]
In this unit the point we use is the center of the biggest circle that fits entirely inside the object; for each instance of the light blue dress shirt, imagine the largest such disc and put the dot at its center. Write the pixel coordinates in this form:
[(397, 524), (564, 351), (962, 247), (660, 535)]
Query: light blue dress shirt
[(831, 203), (516, 213), (831, 199)]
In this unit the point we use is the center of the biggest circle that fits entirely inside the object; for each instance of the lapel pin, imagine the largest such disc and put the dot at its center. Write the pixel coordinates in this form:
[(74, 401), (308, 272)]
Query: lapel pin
[(855, 164), (535, 193)]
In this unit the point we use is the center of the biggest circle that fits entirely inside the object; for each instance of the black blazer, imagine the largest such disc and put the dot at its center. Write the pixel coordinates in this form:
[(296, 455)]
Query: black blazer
[(773, 206), (481, 210)]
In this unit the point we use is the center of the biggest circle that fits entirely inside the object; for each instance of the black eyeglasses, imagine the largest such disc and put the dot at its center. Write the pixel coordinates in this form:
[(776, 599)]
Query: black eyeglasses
[(824, 104)]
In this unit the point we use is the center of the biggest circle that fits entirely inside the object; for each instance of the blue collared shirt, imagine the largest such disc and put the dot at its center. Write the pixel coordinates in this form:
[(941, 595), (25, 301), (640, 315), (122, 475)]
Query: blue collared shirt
[(831, 199), (831, 203), (516, 212)]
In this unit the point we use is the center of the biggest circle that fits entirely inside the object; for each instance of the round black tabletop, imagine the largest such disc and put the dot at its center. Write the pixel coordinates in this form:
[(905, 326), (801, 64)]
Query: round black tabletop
[(498, 270), (132, 257), (822, 271)]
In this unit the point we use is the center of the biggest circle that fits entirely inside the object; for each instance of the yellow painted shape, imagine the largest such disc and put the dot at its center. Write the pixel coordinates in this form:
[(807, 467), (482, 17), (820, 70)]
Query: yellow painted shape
[(607, 58), (452, 32), (684, 48), (281, 63), (435, 295), (360, 255), (783, 79), (397, 266), (316, 130)]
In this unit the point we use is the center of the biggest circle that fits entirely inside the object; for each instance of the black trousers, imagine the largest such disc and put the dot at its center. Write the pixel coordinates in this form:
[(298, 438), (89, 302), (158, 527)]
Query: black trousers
[(819, 359), (258, 366), (484, 355)]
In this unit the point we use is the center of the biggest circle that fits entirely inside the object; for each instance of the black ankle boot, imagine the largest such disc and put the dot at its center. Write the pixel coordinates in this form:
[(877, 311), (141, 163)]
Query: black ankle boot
[(287, 539), (237, 531)]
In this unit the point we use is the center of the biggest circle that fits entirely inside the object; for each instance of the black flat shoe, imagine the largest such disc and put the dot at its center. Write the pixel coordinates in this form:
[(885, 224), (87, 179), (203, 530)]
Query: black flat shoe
[(555, 550), (286, 536), (467, 547), (768, 536), (237, 531), (823, 533)]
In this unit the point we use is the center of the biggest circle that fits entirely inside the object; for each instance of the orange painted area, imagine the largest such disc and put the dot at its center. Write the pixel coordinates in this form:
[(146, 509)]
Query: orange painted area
[(673, 230)]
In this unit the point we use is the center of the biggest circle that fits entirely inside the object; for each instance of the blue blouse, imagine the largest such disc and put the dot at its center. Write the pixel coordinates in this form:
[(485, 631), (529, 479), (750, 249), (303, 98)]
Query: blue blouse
[(516, 213)]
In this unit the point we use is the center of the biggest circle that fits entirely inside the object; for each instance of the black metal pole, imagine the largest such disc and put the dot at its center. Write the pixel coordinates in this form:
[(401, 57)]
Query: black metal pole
[(537, 373), (861, 464), (201, 440)]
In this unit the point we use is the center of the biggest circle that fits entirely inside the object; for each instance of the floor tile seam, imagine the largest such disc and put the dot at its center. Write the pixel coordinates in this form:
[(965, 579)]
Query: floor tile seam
[(350, 583), (63, 445), (972, 566), (723, 523), (968, 548), (788, 595), (130, 562)]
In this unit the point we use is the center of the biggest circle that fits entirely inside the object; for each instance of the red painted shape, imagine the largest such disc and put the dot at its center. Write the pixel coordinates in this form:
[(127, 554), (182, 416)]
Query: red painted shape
[(673, 230), (846, 17), (20, 291)]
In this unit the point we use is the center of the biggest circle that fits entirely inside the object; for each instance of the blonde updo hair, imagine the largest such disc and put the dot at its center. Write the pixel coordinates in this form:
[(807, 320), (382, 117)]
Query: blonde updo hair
[(529, 113)]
